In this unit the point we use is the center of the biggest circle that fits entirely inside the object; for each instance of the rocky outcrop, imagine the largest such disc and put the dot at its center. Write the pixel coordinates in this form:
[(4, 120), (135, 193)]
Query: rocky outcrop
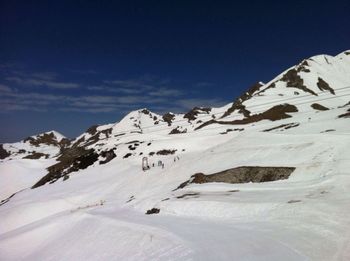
[(324, 86), (275, 113), (192, 114), (242, 175), (238, 103), (319, 107), (3, 153), (168, 118), (71, 160)]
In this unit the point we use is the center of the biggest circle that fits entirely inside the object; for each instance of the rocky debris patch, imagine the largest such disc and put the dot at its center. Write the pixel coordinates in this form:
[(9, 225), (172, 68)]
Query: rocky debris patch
[(152, 211), (345, 115), (168, 118), (319, 107), (36, 155), (192, 114), (127, 155), (230, 130), (275, 113), (166, 152), (48, 139), (4, 201), (324, 86), (108, 155), (145, 111), (130, 199), (194, 194), (293, 201), (238, 103), (293, 80), (178, 130), (95, 136), (3, 153), (284, 126), (92, 130), (303, 67), (71, 160), (329, 130), (253, 174)]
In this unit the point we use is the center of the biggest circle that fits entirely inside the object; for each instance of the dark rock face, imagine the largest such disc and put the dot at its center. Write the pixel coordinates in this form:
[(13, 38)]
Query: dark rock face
[(108, 155), (3, 153), (345, 115), (168, 118), (237, 105), (242, 175), (36, 155), (319, 107), (275, 113), (166, 152), (127, 155), (94, 138), (92, 130), (48, 139), (145, 111), (153, 211), (324, 86), (71, 160), (192, 114), (283, 126), (293, 80), (177, 131)]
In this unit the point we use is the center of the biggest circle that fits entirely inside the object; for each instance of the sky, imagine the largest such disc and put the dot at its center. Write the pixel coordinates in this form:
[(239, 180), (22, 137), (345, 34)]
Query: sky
[(67, 65)]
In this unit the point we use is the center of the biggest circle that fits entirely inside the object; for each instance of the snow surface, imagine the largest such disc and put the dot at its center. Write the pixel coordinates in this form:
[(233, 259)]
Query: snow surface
[(99, 212)]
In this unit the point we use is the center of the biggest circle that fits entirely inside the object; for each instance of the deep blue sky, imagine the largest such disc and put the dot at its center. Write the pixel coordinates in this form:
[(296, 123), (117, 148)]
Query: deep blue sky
[(66, 65)]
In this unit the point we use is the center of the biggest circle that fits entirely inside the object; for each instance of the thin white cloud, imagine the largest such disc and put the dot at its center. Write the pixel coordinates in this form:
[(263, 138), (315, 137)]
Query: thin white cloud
[(42, 82), (165, 92), (5, 88)]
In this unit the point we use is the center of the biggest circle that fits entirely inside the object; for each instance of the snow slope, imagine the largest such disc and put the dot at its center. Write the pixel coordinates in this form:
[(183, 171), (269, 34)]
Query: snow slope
[(98, 212)]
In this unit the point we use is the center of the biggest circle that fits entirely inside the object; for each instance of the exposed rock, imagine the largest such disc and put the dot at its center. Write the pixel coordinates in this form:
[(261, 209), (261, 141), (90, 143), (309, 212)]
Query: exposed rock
[(92, 130), (192, 114), (324, 86), (345, 115), (168, 117), (71, 160), (237, 104), (145, 111), (36, 155), (275, 113), (329, 130), (177, 131), (127, 155), (3, 153), (166, 152), (108, 155), (242, 175), (48, 139), (293, 80), (319, 107), (294, 201), (283, 126), (194, 194), (153, 211)]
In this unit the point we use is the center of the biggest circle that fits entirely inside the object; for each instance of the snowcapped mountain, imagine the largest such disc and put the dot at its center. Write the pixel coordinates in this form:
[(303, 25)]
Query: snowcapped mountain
[(47, 144), (262, 178)]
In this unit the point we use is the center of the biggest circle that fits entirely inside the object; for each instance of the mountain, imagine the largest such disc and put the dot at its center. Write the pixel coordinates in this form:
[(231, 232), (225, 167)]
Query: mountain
[(262, 178)]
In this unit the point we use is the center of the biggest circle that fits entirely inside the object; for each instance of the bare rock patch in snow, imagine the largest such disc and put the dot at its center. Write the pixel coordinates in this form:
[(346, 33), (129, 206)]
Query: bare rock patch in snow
[(253, 174), (319, 107)]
